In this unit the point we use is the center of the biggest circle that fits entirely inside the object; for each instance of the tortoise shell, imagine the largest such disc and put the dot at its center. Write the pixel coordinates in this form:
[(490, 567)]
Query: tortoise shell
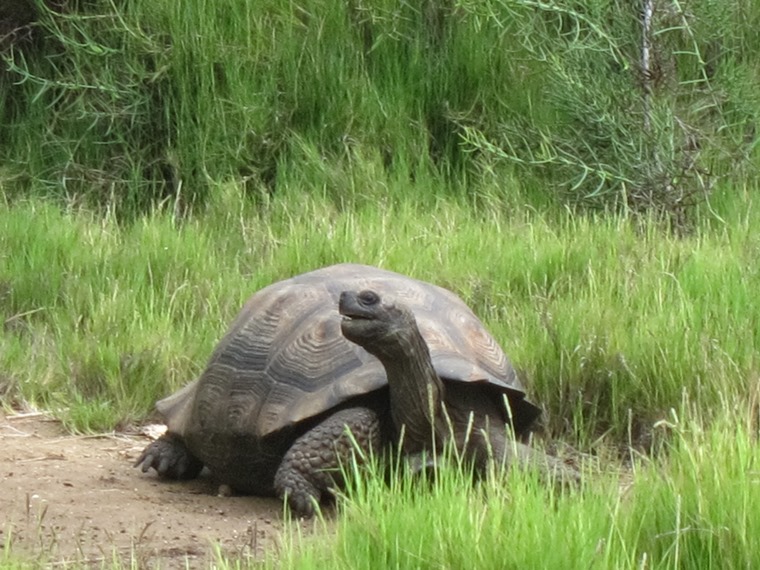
[(284, 361)]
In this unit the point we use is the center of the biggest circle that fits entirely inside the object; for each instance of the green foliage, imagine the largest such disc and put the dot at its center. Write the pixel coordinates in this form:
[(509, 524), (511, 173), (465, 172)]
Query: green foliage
[(132, 105), (645, 114), (140, 103)]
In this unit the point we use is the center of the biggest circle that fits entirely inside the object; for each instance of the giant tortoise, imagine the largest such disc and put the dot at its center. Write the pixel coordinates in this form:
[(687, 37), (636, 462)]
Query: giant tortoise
[(346, 347)]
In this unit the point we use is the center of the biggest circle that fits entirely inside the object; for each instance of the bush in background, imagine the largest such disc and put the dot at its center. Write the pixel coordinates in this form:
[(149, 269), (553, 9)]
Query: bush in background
[(642, 106)]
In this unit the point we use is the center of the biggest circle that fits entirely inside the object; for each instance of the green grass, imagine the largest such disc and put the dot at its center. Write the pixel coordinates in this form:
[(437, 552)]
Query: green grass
[(630, 337), (610, 323), (696, 510)]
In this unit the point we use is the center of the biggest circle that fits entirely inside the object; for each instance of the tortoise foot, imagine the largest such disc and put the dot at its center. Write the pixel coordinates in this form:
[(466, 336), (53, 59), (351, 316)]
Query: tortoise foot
[(171, 459)]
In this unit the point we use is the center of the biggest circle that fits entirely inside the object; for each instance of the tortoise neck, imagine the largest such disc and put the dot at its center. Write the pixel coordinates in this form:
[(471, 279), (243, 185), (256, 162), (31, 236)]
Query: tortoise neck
[(416, 390)]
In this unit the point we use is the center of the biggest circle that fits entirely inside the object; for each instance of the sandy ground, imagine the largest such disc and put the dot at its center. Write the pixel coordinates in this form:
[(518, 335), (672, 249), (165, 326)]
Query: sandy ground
[(77, 498)]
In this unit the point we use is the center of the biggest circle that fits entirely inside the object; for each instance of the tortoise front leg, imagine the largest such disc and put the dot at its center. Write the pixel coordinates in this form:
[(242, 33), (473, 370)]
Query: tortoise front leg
[(311, 467)]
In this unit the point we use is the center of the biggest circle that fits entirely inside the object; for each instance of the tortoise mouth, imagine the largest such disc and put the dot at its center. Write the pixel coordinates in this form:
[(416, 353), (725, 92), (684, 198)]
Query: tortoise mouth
[(347, 314)]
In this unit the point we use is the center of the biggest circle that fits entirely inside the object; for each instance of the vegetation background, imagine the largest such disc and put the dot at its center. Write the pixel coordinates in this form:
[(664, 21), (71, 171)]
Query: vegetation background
[(582, 172)]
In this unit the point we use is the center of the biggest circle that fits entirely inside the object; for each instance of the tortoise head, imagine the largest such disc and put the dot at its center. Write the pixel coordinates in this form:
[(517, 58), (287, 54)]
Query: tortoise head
[(378, 325), (388, 330)]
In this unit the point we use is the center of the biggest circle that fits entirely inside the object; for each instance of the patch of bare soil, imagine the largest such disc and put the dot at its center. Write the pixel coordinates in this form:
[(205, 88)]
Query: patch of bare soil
[(78, 498)]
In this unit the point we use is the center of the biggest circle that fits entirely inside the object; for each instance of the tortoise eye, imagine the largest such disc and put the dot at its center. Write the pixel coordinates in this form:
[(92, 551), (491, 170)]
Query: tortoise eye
[(368, 297)]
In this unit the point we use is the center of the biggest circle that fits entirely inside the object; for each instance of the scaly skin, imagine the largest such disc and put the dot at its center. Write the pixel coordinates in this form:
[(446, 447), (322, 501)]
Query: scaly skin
[(311, 467)]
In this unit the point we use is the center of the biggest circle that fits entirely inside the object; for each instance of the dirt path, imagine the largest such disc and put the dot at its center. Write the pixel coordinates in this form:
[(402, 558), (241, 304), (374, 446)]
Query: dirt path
[(69, 498)]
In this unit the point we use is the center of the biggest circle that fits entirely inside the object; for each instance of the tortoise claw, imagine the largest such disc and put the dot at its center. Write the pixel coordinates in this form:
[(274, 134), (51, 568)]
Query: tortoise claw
[(171, 459)]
